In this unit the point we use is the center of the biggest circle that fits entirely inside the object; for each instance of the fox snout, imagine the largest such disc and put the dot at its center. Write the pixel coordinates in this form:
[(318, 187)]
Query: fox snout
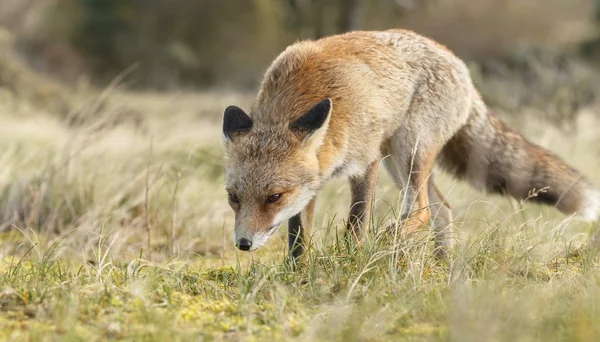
[(244, 244), (250, 241)]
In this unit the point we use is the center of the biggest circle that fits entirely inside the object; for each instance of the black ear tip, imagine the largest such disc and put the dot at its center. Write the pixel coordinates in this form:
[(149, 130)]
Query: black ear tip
[(232, 110), (323, 106), (314, 118), (326, 104), (235, 120)]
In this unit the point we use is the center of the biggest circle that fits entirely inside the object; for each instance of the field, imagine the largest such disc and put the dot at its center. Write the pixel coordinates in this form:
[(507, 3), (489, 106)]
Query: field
[(116, 226)]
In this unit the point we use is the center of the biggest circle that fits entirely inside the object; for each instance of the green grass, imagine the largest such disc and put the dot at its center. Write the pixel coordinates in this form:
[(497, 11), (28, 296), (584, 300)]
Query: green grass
[(123, 232), (493, 289)]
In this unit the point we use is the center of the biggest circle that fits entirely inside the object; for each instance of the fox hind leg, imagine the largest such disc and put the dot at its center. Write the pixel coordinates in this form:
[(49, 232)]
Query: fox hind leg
[(410, 166), (441, 214), (393, 169), (441, 219), (418, 195)]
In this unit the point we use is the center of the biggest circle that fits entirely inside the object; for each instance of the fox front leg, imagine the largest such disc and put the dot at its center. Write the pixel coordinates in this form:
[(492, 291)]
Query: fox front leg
[(362, 189), (298, 230)]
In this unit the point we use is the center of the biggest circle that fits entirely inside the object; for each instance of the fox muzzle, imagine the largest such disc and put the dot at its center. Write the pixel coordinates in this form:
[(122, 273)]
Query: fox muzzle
[(244, 244)]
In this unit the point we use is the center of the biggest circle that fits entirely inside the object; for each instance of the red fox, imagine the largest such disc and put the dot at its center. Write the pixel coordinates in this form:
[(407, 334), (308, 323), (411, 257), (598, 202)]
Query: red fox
[(343, 105)]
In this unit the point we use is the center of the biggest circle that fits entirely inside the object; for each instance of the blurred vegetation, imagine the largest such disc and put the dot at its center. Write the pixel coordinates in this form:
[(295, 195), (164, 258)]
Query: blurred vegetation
[(183, 43), (550, 84), (198, 42), (591, 48), (17, 80)]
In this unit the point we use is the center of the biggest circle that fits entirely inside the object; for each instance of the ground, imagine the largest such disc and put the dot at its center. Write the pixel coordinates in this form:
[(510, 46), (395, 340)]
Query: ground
[(116, 226)]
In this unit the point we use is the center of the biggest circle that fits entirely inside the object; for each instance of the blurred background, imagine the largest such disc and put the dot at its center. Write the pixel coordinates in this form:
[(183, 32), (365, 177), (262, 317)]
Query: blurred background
[(111, 109), (208, 43), (157, 45)]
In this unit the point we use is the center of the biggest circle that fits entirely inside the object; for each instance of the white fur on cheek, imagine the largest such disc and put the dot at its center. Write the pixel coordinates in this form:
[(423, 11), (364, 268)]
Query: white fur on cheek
[(302, 201), (258, 240)]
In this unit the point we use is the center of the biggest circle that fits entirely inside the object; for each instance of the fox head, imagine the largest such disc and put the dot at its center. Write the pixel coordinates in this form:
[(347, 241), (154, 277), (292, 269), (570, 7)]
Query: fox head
[(272, 170)]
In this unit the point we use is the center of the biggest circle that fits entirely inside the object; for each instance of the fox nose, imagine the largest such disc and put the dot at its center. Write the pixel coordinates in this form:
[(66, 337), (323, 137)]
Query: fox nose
[(244, 244)]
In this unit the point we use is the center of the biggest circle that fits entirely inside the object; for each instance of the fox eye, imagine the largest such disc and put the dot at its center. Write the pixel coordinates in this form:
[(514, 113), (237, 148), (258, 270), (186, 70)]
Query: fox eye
[(233, 198), (273, 198)]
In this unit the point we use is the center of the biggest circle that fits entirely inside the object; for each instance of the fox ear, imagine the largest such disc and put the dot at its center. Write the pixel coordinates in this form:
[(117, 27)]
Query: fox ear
[(316, 118), (235, 120)]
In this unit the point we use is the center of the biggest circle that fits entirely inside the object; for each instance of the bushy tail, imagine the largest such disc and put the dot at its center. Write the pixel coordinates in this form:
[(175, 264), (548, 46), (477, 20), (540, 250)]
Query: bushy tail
[(492, 157)]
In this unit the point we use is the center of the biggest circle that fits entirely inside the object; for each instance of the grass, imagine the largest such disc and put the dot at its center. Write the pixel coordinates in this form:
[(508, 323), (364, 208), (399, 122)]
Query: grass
[(117, 229)]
